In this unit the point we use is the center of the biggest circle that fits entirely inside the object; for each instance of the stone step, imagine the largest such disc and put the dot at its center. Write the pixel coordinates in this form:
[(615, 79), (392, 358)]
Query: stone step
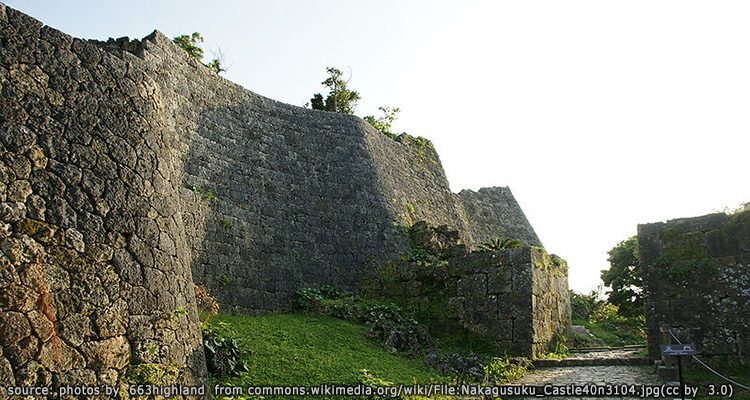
[(590, 362), (595, 349)]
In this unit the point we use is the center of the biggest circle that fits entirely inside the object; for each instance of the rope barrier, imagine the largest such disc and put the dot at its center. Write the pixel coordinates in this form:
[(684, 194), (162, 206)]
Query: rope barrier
[(709, 368)]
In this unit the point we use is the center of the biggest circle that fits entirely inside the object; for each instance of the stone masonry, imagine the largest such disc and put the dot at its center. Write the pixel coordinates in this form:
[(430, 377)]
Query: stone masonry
[(696, 275), (487, 206), (128, 171), (95, 267), (277, 197), (518, 297)]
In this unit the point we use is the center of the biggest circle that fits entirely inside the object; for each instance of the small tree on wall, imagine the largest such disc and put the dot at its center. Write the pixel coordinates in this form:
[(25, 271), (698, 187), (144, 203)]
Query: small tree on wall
[(385, 121), (340, 99), (190, 43)]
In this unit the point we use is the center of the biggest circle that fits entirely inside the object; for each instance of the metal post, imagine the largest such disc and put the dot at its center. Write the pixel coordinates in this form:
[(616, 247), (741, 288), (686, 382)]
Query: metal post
[(682, 384)]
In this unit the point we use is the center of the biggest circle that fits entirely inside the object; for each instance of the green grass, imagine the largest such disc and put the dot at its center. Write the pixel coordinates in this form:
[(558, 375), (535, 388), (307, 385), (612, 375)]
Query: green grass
[(615, 334), (309, 350), (698, 375), (461, 341)]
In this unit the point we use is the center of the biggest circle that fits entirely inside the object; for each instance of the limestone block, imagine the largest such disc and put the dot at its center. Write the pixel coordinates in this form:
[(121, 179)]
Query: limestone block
[(13, 327), (113, 353)]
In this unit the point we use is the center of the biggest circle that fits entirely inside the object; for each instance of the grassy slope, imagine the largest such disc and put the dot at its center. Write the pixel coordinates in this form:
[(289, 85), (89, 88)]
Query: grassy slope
[(294, 349), (614, 335)]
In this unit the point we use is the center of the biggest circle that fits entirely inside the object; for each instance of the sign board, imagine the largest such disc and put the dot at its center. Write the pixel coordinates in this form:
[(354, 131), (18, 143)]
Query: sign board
[(678, 349)]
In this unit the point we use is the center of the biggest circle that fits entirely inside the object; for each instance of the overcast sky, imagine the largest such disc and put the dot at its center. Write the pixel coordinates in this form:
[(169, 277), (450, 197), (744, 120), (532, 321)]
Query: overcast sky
[(598, 114)]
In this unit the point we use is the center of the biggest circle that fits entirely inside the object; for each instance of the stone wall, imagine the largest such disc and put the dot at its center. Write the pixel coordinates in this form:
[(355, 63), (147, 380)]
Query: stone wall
[(95, 268), (278, 197), (128, 170), (517, 297), (493, 213), (696, 275)]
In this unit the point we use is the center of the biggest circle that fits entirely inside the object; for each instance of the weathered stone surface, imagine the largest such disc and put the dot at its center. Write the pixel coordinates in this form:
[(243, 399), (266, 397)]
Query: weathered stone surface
[(696, 278), (132, 153), (43, 327), (13, 327), (18, 298), (57, 356), (111, 321), (6, 373), (524, 307), (20, 352), (493, 213), (112, 353), (74, 240), (76, 174), (13, 249), (12, 212)]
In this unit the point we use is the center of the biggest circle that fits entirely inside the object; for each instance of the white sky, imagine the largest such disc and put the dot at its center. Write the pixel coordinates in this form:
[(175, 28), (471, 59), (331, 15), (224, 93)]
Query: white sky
[(598, 114)]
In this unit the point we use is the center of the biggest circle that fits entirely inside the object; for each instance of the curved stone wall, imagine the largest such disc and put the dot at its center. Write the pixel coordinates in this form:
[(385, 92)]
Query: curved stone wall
[(128, 170), (95, 272)]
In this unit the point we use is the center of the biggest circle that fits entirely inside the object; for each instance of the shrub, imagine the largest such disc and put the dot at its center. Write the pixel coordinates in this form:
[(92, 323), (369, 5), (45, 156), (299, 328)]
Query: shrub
[(312, 299), (152, 373), (191, 45), (384, 122), (605, 312), (500, 244), (465, 368), (395, 331), (583, 305), (222, 355), (389, 324), (504, 370)]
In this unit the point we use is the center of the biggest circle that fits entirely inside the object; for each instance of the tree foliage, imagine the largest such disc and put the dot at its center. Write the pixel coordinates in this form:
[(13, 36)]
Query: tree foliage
[(385, 121), (625, 278), (340, 98), (191, 44)]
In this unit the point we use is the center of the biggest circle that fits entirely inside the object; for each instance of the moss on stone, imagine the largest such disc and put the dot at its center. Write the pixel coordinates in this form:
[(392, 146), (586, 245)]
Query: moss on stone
[(425, 149), (734, 223), (34, 227), (152, 373), (685, 255)]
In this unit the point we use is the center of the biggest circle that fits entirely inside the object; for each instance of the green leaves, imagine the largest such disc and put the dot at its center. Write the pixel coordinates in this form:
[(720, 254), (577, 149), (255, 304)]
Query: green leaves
[(624, 277), (500, 244), (340, 99), (223, 356), (190, 43), (384, 122)]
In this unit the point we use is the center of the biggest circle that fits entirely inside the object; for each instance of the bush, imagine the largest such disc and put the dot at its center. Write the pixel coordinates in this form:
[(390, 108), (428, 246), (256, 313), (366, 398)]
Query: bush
[(583, 305), (500, 244), (605, 312), (498, 371), (395, 331), (501, 371), (388, 323), (605, 321), (465, 368), (222, 355), (312, 299), (190, 43)]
